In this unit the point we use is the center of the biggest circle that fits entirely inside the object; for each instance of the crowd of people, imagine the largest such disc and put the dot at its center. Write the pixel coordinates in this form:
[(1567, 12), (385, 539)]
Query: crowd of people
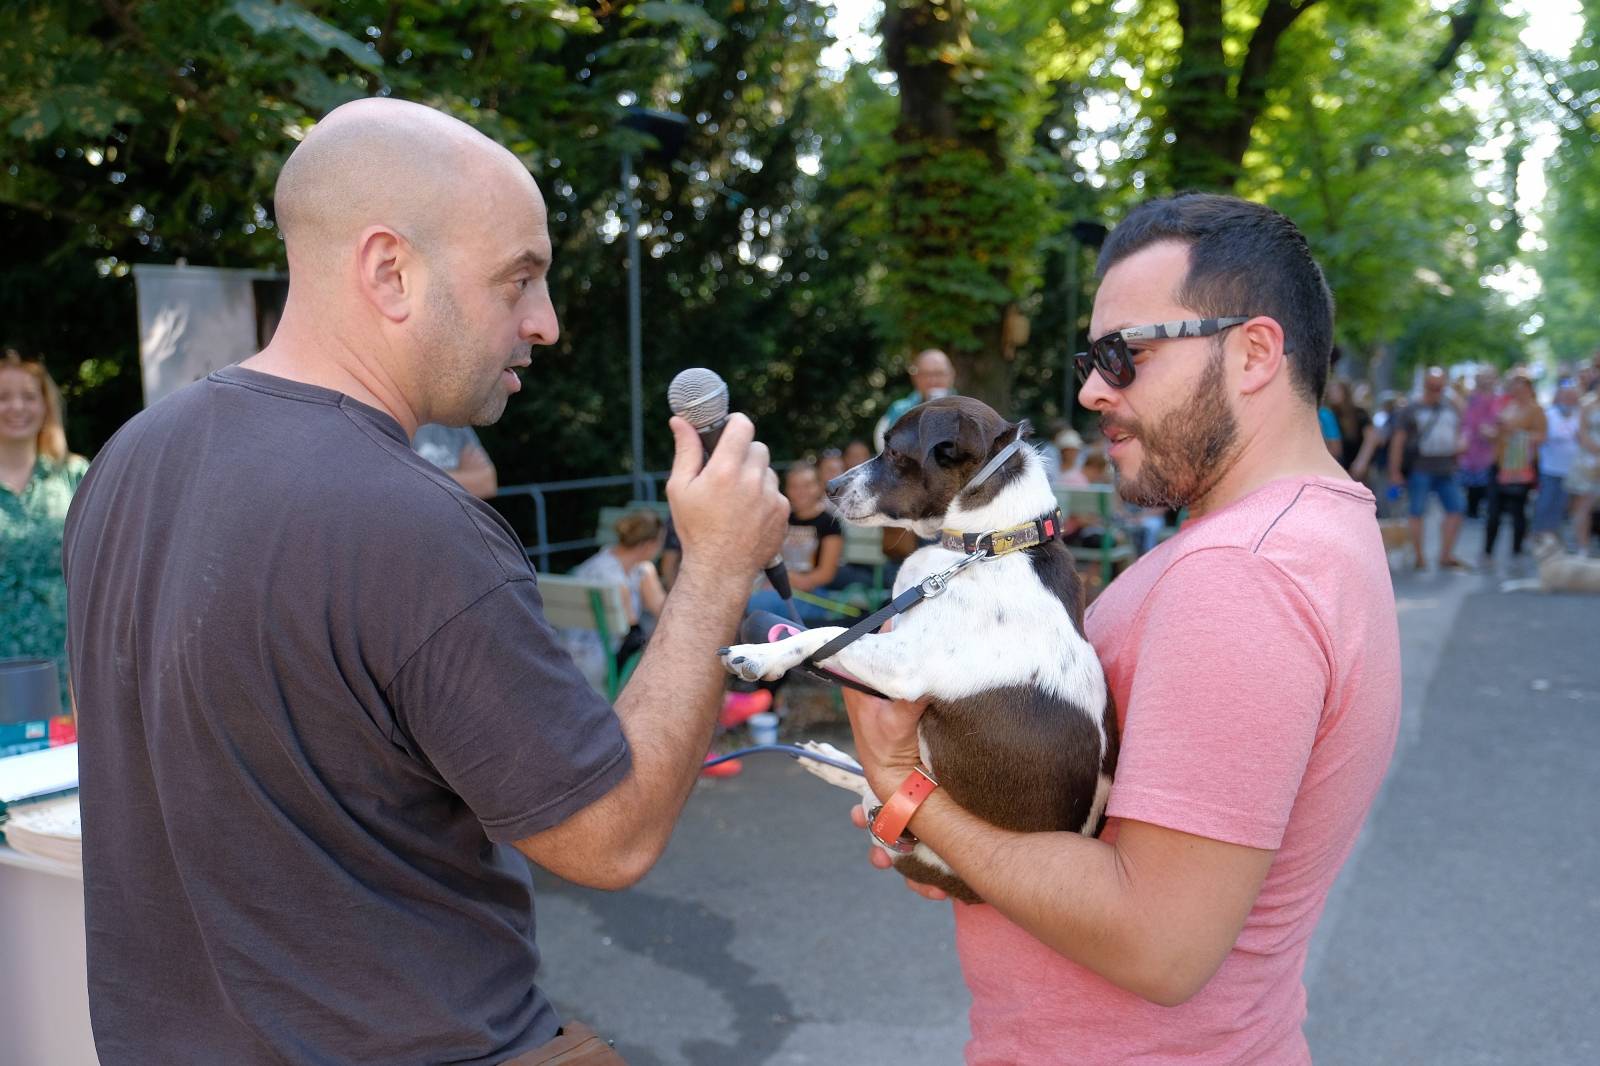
[(1482, 445)]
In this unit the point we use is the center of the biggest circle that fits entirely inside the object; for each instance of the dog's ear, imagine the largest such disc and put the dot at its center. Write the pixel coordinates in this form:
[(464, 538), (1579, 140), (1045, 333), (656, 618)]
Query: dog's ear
[(949, 436)]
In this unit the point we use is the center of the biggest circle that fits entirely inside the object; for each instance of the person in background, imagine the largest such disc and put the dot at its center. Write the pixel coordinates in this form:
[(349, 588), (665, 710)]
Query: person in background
[(1331, 438), (932, 375), (1583, 480), (457, 451), (856, 453), (1428, 436), (1371, 465), (1517, 434), (629, 562), (830, 465), (1556, 453), (812, 548), (38, 477), (1352, 420), (1477, 461), (1068, 474)]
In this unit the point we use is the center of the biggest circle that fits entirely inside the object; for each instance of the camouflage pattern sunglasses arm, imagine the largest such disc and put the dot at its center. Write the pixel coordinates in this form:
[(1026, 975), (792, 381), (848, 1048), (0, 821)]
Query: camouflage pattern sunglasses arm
[(1189, 327)]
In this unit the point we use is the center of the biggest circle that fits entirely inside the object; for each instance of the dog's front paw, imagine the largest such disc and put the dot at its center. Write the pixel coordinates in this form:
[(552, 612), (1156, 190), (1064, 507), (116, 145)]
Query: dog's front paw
[(754, 662)]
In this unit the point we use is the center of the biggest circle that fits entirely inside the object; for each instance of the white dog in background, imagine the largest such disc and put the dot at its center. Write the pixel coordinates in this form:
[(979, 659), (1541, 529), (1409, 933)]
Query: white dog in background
[(1559, 570)]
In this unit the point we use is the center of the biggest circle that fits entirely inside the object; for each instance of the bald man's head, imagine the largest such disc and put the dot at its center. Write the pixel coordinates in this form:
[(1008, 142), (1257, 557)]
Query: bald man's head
[(932, 373), (423, 246), (384, 162)]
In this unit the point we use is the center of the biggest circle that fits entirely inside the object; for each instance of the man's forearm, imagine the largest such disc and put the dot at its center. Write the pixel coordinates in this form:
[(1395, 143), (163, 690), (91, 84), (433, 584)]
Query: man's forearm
[(670, 706), (1065, 889)]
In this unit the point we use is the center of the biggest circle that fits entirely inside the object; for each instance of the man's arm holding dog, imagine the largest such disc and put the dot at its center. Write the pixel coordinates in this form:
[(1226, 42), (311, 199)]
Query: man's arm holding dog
[(1154, 913), (1217, 735), (731, 519)]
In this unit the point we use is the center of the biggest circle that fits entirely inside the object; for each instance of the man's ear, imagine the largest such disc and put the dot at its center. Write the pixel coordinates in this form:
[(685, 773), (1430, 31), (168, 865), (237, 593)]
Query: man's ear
[(1264, 357), (388, 272)]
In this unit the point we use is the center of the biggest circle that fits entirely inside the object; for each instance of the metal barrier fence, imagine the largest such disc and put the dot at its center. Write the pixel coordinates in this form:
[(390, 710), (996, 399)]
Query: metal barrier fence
[(650, 487), (542, 547)]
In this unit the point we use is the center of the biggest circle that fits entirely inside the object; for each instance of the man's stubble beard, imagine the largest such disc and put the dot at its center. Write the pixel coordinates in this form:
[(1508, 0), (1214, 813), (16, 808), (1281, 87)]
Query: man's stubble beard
[(1188, 454), (453, 353)]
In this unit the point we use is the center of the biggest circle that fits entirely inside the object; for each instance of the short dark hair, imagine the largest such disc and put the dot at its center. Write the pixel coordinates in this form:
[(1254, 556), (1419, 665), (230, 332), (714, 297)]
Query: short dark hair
[(1244, 259)]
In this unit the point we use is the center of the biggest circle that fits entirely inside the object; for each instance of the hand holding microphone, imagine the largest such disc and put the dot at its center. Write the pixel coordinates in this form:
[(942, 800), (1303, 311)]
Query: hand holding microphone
[(724, 495)]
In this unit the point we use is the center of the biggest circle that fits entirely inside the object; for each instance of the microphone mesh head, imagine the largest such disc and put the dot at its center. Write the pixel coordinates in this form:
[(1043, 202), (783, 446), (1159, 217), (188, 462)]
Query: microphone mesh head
[(699, 396)]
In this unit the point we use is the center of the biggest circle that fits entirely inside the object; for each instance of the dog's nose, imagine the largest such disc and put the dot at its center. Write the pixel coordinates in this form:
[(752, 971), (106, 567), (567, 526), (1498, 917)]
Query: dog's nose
[(837, 484)]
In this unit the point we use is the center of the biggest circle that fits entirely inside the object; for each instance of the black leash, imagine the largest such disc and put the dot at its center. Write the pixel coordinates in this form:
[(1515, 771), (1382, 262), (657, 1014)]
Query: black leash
[(926, 589)]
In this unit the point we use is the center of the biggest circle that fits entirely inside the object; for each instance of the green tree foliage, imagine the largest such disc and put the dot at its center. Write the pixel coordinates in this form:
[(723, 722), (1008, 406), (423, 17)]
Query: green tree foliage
[(1570, 263), (1402, 220), (149, 131), (817, 227)]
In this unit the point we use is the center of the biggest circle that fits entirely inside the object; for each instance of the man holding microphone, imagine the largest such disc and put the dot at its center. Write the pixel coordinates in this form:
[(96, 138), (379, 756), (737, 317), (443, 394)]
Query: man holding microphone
[(321, 712)]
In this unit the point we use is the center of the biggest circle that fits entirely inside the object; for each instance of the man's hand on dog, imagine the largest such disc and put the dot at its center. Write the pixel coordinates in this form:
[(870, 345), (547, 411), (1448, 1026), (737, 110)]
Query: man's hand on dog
[(886, 738), (886, 747)]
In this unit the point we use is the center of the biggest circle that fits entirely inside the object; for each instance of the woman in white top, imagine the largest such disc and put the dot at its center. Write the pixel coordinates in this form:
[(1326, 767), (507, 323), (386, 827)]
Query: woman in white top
[(631, 562)]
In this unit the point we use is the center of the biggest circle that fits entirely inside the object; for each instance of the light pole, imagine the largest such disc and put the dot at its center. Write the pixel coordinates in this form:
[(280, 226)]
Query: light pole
[(1080, 233), (667, 130)]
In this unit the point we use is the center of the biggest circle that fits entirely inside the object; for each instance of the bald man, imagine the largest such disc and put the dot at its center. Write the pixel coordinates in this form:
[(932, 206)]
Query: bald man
[(324, 722), (932, 375)]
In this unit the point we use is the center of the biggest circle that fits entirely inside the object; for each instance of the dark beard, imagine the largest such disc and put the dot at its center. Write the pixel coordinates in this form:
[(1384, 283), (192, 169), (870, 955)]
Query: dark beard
[(1185, 457)]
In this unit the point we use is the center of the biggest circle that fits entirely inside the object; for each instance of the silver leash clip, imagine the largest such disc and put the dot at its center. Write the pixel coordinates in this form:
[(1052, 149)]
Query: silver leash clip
[(934, 584)]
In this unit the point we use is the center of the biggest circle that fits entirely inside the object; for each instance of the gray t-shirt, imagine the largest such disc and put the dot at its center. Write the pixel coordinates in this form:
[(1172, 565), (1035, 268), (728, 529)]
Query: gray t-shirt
[(1433, 433), (442, 445), (317, 701)]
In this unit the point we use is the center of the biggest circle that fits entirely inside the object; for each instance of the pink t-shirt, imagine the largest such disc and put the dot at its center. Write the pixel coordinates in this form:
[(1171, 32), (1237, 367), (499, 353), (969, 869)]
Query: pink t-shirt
[(1255, 663)]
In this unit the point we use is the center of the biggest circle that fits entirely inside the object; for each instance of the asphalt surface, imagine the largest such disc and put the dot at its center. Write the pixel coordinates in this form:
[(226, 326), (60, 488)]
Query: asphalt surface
[(1464, 930)]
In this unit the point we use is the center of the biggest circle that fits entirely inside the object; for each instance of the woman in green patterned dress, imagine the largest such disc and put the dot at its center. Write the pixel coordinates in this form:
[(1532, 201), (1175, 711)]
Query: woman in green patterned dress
[(37, 479)]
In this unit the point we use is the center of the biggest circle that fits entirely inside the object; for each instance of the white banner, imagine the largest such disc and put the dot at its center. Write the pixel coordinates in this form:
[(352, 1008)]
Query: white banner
[(193, 320)]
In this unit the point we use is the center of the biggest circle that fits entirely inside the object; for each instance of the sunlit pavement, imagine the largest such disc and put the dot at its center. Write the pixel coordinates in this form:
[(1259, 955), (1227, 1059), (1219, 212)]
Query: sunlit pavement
[(1465, 929)]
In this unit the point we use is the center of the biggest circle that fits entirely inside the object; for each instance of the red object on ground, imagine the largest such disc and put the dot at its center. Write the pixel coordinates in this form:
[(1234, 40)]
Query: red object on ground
[(737, 707), (732, 768)]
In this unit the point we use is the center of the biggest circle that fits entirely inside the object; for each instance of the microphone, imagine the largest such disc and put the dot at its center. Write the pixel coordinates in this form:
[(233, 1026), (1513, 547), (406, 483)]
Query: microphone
[(700, 398)]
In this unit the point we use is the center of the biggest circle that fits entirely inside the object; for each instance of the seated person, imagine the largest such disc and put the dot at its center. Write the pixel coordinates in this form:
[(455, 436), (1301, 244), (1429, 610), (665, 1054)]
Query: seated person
[(629, 562), (811, 551), (457, 451)]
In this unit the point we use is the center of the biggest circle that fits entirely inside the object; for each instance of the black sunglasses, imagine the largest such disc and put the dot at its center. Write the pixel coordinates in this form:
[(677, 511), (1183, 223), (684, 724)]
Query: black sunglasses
[(1111, 357)]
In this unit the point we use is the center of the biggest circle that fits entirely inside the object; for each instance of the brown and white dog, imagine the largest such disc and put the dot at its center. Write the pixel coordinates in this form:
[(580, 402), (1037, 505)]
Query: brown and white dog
[(1019, 729)]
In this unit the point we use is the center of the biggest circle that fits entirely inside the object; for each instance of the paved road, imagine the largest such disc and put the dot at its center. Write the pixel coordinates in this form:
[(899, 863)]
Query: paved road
[(1465, 929)]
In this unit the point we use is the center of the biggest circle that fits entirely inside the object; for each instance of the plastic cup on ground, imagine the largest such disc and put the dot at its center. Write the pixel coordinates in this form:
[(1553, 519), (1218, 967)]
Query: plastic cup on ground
[(764, 728)]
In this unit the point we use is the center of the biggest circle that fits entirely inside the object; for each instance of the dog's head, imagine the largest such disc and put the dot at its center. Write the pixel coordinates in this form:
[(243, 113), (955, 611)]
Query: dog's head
[(927, 459), (1544, 546)]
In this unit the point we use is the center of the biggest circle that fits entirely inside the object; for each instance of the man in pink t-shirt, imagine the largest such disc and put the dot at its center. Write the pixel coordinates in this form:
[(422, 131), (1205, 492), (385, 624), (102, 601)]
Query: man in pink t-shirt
[(1254, 660)]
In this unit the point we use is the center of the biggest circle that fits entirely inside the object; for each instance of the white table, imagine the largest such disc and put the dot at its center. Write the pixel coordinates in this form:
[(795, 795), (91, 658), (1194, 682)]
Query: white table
[(44, 1005)]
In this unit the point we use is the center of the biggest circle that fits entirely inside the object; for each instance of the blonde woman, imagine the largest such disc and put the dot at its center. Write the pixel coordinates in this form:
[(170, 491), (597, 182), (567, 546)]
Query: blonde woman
[(37, 479)]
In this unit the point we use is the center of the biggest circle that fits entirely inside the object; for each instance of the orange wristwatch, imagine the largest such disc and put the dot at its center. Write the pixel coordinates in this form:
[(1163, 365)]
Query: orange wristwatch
[(887, 822)]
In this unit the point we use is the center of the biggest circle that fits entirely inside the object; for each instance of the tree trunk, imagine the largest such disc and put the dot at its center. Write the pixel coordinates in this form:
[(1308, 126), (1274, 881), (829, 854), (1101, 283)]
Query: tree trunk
[(1211, 126), (924, 43)]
